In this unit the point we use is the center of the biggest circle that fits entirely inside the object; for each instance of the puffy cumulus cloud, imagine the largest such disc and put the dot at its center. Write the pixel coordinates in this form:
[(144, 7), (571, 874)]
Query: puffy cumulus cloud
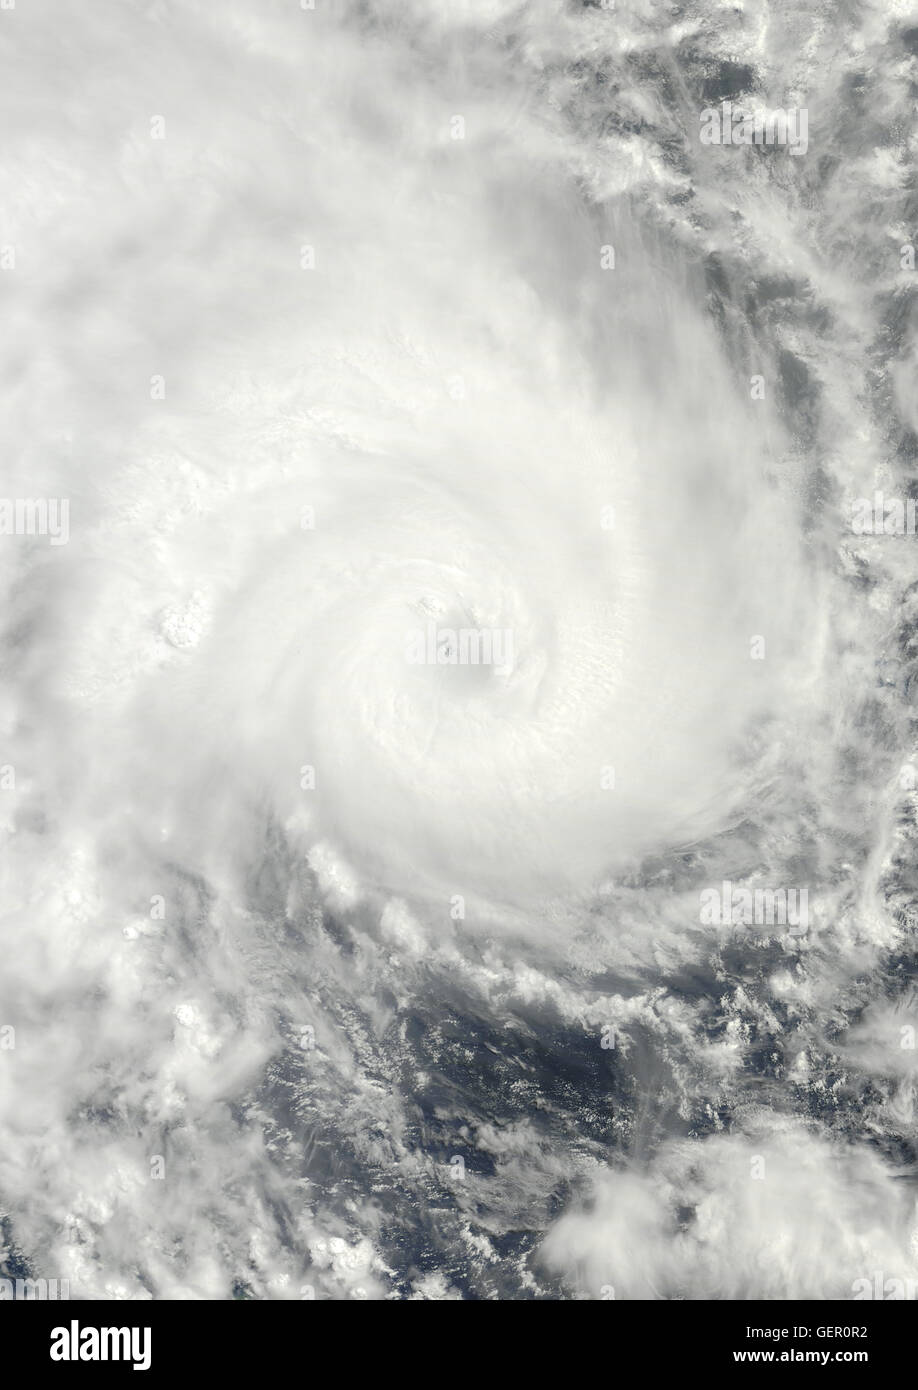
[(776, 1212)]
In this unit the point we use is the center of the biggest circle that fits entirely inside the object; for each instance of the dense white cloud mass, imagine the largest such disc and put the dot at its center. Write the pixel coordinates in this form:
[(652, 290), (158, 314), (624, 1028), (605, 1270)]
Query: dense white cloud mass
[(778, 1214), (340, 337)]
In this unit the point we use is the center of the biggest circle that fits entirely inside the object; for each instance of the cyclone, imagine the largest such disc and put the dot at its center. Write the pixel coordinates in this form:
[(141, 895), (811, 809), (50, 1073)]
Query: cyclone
[(457, 745), (590, 484)]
